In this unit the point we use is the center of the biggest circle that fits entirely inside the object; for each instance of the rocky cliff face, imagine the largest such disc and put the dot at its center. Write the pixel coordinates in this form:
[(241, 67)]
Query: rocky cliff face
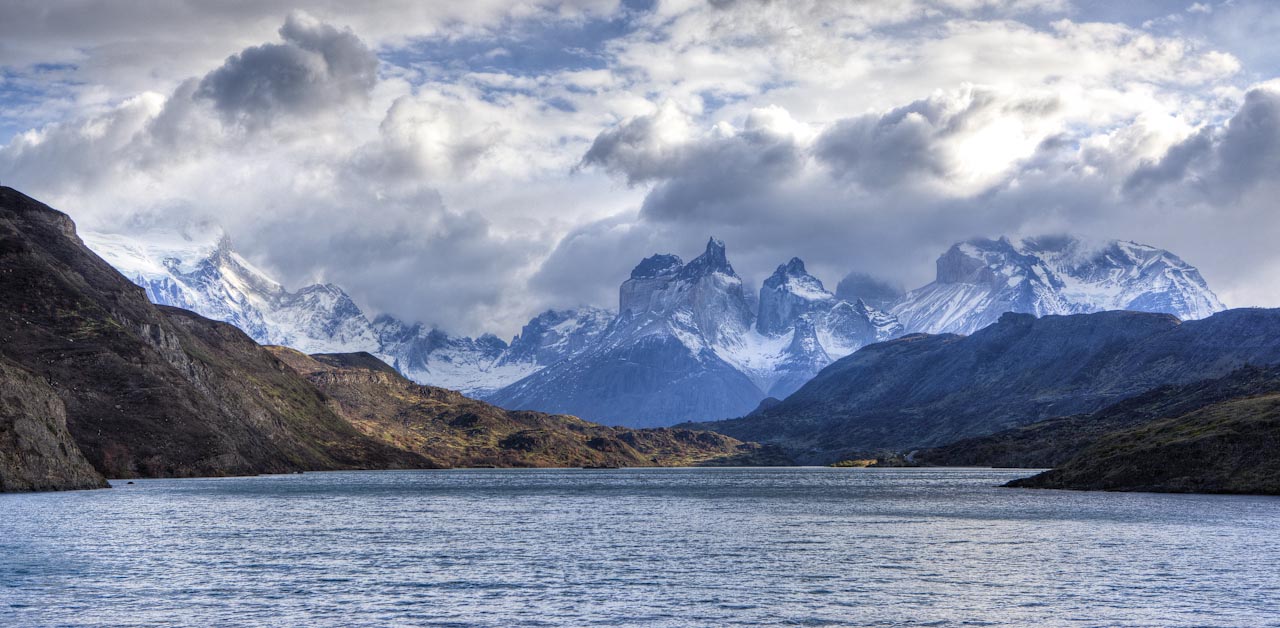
[(451, 430), (152, 391), (37, 452), (926, 390), (689, 342)]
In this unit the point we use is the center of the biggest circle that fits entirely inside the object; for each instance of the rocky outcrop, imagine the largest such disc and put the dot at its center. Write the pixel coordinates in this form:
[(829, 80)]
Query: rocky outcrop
[(451, 430), (36, 451)]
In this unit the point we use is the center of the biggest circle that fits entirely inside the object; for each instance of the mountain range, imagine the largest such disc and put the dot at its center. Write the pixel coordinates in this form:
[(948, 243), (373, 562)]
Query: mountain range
[(689, 341), (95, 380)]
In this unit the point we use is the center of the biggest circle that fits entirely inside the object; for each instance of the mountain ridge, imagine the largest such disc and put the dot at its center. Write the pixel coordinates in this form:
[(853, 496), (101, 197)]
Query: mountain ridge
[(705, 325), (688, 342), (95, 380), (927, 390), (451, 430)]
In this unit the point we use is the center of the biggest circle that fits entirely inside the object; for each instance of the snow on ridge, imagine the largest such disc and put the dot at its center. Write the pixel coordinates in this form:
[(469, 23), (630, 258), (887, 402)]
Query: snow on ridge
[(778, 341), (1053, 275)]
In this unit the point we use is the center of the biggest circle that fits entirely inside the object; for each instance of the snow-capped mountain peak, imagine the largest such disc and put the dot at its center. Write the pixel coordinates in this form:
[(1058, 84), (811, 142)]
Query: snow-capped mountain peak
[(689, 340), (690, 332), (789, 294), (980, 279)]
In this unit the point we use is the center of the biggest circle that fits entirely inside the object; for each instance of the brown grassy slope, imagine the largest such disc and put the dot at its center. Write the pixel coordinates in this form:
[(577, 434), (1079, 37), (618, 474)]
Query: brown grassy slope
[(149, 391), (452, 430)]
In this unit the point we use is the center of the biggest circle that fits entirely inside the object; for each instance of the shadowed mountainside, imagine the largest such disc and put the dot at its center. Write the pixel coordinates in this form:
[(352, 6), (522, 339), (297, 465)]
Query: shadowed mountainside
[(1054, 441), (924, 390), (1230, 446)]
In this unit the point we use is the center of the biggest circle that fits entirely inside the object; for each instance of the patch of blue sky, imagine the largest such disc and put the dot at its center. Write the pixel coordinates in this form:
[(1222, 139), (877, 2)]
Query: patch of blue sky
[(30, 97), (518, 48)]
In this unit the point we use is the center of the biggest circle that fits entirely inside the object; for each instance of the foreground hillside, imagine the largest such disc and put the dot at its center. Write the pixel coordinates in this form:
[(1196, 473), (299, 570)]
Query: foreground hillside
[(1055, 441), (451, 430), (922, 390), (150, 391), (1227, 447)]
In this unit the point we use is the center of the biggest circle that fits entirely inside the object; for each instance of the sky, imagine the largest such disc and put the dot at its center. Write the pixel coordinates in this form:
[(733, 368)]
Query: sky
[(469, 164)]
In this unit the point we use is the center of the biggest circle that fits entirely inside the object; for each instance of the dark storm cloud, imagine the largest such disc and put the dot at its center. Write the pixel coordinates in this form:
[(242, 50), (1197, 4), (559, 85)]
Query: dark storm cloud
[(700, 176), (1221, 162), (905, 145), (403, 253), (429, 181), (317, 67), (635, 150), (883, 150)]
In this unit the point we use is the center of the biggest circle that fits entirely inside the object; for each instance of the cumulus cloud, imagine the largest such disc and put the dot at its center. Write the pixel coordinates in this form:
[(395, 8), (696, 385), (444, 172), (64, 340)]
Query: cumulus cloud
[(316, 68), (722, 166), (900, 185), (1222, 162), (469, 163)]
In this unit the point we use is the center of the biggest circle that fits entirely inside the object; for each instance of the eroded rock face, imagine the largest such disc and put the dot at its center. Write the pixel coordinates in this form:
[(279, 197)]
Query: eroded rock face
[(36, 450)]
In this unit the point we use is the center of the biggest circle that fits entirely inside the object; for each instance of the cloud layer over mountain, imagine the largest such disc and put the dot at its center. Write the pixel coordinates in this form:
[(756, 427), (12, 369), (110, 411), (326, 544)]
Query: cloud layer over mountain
[(471, 164)]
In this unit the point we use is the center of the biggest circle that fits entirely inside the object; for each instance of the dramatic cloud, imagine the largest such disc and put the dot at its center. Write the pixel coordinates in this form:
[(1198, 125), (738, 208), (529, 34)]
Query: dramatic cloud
[(1222, 162), (467, 164), (318, 67)]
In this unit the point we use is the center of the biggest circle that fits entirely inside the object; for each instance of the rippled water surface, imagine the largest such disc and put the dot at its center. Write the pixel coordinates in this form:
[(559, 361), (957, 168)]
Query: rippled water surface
[(659, 547)]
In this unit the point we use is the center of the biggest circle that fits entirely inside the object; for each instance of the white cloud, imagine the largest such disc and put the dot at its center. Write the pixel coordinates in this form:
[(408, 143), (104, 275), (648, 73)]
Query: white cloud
[(435, 161)]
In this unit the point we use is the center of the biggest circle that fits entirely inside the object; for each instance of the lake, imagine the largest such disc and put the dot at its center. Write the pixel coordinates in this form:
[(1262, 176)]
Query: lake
[(635, 547)]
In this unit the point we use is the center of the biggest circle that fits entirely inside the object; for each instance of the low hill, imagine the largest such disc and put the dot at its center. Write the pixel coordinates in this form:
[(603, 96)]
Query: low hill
[(451, 430), (1054, 441), (1227, 447)]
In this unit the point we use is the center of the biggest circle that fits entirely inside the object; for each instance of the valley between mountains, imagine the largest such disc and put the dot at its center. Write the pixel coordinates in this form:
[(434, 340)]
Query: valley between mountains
[(173, 356)]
